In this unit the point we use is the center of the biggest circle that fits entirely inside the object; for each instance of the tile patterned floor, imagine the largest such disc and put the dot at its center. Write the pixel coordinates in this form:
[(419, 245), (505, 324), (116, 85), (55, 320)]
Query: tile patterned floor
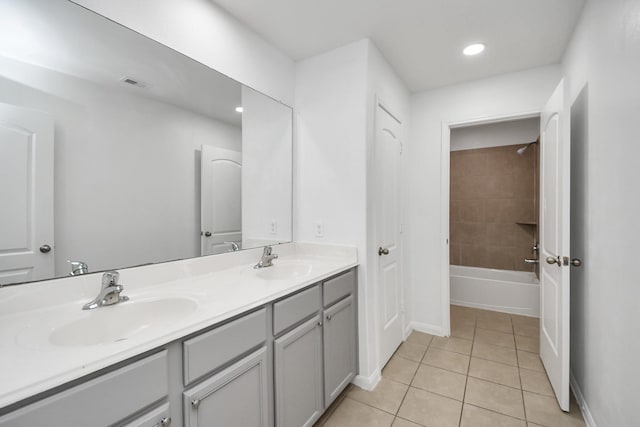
[(487, 373)]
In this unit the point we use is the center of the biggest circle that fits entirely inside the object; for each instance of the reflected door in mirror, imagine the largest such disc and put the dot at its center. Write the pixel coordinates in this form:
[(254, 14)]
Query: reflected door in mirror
[(26, 194), (221, 201)]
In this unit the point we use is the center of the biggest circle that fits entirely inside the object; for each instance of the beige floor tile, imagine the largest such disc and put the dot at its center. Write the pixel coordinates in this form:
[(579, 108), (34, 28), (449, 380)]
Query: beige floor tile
[(526, 330), (464, 330), (430, 409), (387, 395), (457, 345), (461, 312), (495, 372), (411, 351), (544, 410), (531, 344), (495, 397), (488, 314), (533, 425), (399, 369), (399, 422), (448, 360), (536, 382), (472, 416), (525, 320), (495, 324), (419, 338), (439, 381), (530, 361), (351, 413), (495, 338), (495, 353)]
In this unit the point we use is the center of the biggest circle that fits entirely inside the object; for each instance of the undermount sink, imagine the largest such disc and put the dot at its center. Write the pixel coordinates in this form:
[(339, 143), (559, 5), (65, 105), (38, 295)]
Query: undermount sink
[(121, 321), (285, 271)]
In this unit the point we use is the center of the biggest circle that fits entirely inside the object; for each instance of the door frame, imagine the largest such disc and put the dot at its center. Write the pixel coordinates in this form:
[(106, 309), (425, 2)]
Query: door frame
[(373, 256), (445, 201)]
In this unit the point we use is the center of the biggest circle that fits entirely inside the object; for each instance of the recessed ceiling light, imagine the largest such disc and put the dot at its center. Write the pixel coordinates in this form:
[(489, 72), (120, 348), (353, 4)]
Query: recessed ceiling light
[(473, 49), (238, 109)]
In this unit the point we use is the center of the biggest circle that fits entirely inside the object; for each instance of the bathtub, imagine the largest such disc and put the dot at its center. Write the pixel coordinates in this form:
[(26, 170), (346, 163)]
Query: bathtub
[(516, 292)]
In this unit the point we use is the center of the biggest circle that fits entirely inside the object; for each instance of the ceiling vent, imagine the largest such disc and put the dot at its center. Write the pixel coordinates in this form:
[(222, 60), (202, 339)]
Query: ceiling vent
[(133, 82)]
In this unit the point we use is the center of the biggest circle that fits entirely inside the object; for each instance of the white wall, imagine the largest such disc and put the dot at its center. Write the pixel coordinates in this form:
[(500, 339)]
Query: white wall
[(124, 166), (204, 31), (330, 165), (335, 108), (513, 132), (603, 60), (267, 161), (521, 92)]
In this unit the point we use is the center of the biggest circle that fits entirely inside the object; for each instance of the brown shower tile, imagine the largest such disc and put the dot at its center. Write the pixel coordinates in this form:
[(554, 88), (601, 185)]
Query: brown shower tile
[(500, 257), (499, 161), (523, 180), (499, 210), (468, 162), (501, 233), (499, 186), (473, 255), (454, 254), (471, 210), (471, 232)]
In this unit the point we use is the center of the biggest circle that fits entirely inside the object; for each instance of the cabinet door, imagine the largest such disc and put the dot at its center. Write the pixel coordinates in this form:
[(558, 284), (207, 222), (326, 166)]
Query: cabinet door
[(339, 348), (298, 375), (235, 397)]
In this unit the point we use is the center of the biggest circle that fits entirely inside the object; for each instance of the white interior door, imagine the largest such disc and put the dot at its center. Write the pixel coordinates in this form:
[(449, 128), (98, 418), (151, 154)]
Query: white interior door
[(387, 152), (555, 145), (221, 218), (26, 195)]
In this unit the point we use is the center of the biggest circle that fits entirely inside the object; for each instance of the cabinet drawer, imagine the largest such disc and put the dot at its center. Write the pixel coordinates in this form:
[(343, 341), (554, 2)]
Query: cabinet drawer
[(207, 352), (296, 308), (158, 417), (104, 400), (339, 287)]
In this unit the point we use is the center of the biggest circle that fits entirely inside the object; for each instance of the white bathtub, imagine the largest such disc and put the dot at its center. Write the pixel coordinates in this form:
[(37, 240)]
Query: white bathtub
[(516, 292)]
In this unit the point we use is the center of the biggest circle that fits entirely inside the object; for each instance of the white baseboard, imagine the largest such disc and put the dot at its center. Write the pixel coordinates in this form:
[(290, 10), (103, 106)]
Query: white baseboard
[(368, 383), (425, 327), (584, 408)]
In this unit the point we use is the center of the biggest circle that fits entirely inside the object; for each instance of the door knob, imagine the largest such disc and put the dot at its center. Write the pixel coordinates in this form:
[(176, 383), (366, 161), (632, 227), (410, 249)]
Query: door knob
[(207, 234), (576, 262), (553, 260), (45, 249), (383, 251)]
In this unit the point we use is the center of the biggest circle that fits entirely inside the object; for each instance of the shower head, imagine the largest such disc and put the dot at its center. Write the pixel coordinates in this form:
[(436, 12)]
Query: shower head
[(521, 150)]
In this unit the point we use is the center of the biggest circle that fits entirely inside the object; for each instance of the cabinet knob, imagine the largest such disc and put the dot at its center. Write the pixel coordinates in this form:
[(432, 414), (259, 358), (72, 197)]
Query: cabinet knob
[(319, 324), (328, 317), (195, 403), (165, 422)]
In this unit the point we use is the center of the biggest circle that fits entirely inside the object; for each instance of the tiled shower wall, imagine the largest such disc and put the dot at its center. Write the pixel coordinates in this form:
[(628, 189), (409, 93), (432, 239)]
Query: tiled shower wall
[(493, 207)]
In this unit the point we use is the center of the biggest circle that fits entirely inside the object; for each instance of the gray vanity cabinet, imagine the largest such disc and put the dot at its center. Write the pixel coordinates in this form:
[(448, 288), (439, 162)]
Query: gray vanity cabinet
[(339, 348), (235, 397), (298, 375)]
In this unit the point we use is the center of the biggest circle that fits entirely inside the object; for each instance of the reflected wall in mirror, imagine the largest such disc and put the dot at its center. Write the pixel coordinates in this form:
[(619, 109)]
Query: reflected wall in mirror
[(117, 151)]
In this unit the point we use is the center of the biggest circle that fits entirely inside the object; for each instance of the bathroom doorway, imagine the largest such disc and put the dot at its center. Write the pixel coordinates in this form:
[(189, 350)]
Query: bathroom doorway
[(493, 216), (552, 340)]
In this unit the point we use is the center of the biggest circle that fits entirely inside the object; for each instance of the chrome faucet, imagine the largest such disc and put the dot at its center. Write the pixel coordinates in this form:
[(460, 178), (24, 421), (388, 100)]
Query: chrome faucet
[(234, 246), (109, 293), (267, 258), (78, 268)]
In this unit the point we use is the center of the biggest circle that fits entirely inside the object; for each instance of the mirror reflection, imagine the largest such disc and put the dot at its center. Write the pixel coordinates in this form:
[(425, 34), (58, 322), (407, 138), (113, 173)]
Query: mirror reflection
[(117, 151)]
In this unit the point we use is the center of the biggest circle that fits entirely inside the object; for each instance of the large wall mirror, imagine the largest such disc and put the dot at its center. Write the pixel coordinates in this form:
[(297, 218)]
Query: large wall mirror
[(118, 151)]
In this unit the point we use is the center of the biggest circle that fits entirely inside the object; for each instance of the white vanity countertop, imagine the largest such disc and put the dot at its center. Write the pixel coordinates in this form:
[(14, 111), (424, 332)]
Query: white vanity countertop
[(213, 289)]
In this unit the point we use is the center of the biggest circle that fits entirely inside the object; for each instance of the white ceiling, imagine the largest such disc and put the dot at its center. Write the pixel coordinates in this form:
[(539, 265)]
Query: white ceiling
[(422, 39), (61, 36)]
